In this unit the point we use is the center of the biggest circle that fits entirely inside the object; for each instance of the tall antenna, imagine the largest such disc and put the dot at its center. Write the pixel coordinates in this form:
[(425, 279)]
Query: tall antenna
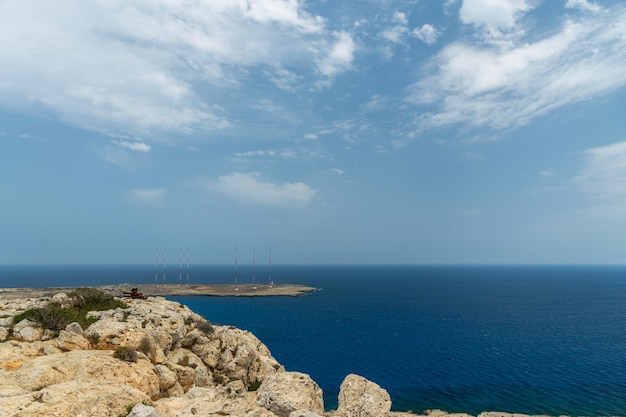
[(271, 281), (236, 261), (253, 264), (164, 265), (187, 265), (156, 267), (180, 267)]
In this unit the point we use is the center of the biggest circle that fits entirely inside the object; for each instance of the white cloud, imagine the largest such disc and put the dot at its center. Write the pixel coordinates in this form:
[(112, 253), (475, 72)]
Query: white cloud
[(133, 146), (604, 172), (426, 33), (397, 33), (311, 136), (248, 188), (504, 88), (283, 78), (339, 57), (147, 195), (337, 171), (134, 67), (548, 173), (493, 14), (583, 5)]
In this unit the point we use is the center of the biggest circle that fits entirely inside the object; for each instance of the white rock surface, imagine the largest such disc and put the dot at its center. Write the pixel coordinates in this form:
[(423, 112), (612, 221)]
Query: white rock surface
[(285, 392), (359, 397)]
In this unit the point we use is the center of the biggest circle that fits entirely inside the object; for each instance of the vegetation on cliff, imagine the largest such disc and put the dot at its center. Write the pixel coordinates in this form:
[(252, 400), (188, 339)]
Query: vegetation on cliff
[(57, 315)]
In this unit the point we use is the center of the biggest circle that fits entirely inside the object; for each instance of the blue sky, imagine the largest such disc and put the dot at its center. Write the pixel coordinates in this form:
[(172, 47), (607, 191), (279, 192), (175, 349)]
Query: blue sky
[(381, 131)]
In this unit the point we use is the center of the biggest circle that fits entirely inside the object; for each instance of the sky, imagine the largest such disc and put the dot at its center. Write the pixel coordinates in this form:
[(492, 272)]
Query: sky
[(380, 131)]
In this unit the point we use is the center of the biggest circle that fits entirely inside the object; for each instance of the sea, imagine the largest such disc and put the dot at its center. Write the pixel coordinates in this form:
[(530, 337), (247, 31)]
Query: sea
[(518, 339)]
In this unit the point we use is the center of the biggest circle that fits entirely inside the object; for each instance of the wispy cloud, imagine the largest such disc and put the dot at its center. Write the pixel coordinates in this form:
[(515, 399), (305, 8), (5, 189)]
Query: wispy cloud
[(147, 195), (426, 33), (339, 56), (604, 173), (284, 153), (495, 17), (133, 146), (583, 5), (502, 88), (337, 171), (248, 188), (135, 67), (398, 31)]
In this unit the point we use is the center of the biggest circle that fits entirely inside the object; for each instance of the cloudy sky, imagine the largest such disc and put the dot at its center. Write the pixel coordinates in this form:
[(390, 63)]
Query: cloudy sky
[(380, 131)]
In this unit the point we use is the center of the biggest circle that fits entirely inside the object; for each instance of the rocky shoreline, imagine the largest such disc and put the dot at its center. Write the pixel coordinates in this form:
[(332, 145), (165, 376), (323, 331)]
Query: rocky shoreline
[(218, 290), (157, 358)]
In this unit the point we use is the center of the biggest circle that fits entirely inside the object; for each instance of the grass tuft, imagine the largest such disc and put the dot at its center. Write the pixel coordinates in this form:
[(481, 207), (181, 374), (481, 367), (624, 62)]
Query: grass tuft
[(125, 353)]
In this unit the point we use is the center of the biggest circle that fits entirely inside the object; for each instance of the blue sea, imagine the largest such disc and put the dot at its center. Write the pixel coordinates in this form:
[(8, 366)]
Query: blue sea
[(526, 339)]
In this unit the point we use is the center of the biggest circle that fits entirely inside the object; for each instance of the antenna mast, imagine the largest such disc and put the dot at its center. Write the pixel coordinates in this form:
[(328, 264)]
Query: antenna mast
[(156, 267), (253, 265), (187, 265), (180, 267), (236, 261), (271, 281), (164, 265)]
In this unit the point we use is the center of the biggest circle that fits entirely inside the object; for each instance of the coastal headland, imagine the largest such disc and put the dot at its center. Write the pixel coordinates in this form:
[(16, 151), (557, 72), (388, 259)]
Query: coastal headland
[(164, 290), (157, 358)]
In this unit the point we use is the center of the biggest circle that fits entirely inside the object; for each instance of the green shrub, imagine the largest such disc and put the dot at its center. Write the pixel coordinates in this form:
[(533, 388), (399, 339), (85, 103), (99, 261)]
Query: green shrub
[(55, 317), (93, 338), (205, 326), (92, 299), (125, 353), (255, 385)]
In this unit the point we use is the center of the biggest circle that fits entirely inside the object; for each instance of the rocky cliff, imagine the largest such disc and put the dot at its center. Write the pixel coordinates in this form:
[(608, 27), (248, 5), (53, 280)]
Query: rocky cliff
[(157, 358)]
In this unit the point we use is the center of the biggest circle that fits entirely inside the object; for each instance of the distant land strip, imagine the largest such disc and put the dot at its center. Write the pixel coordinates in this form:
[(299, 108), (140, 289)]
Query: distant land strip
[(164, 290)]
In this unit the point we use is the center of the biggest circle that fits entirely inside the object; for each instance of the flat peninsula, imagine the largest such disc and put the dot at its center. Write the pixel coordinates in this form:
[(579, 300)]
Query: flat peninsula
[(164, 290)]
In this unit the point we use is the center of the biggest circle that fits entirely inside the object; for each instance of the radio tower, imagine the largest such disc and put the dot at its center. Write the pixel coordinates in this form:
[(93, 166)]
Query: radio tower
[(187, 266), (180, 267), (156, 267), (271, 281), (164, 265), (253, 264), (236, 261)]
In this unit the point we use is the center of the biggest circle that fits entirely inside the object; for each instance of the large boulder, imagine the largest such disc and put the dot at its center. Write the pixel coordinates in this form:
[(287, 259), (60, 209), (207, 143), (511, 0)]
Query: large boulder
[(88, 366), (232, 354), (4, 334), (285, 392), (359, 397), (73, 398), (27, 331), (72, 338)]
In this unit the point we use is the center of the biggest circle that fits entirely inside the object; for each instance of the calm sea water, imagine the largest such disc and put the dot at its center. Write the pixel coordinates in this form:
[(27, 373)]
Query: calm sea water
[(531, 339)]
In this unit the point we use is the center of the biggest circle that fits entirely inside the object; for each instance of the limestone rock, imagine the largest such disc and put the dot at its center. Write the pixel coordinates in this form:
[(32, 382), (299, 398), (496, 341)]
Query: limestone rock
[(73, 398), (285, 392), (72, 340), (4, 334), (61, 298), (359, 397), (6, 320), (142, 410), (88, 366), (302, 413), (27, 331), (232, 354)]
